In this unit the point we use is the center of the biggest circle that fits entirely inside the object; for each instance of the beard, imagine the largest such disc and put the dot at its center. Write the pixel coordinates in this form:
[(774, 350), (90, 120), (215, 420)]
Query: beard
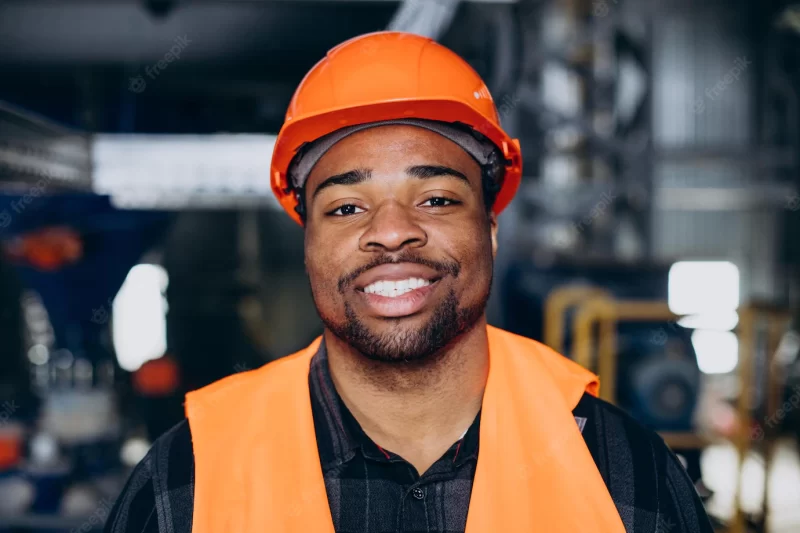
[(408, 344)]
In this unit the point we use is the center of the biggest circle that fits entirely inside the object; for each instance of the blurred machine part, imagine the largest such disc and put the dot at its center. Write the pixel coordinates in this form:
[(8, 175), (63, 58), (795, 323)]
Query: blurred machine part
[(657, 378), (430, 19), (656, 130), (584, 97), (70, 250), (36, 154), (183, 171)]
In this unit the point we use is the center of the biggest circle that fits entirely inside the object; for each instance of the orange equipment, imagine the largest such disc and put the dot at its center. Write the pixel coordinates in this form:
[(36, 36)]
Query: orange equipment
[(11, 445), (258, 469), (384, 76), (47, 249), (159, 377)]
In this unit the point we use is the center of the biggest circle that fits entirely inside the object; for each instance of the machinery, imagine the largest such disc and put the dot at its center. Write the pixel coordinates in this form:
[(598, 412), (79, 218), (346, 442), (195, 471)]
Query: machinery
[(65, 253), (656, 377)]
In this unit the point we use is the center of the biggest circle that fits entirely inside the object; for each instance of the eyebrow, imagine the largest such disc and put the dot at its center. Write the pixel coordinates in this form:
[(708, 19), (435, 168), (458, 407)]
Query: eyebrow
[(356, 176), (434, 171), (351, 177)]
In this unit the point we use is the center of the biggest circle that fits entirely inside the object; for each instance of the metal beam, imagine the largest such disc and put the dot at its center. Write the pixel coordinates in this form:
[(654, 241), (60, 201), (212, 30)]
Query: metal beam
[(35, 151), (221, 171), (424, 17), (760, 195), (766, 157)]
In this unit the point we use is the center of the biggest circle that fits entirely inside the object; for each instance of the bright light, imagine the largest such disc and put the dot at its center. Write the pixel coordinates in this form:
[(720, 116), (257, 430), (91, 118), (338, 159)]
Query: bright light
[(38, 354), (139, 317), (164, 171), (134, 451), (708, 291), (722, 321), (703, 287), (717, 351)]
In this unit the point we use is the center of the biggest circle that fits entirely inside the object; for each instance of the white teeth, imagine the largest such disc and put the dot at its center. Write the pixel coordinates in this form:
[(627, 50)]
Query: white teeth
[(392, 289)]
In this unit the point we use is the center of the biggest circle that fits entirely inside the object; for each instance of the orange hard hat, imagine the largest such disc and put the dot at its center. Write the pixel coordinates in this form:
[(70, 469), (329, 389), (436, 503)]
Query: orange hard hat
[(383, 76)]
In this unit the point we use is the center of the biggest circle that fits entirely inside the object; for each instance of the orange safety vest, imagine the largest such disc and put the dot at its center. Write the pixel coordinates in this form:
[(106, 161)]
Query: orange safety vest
[(257, 469)]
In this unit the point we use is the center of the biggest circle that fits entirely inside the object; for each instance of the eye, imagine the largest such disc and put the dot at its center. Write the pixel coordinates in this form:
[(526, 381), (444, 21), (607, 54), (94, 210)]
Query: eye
[(344, 210), (440, 201)]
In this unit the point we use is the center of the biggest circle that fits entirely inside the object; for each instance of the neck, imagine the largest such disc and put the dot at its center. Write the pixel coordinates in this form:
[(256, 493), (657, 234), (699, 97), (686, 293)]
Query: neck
[(416, 410)]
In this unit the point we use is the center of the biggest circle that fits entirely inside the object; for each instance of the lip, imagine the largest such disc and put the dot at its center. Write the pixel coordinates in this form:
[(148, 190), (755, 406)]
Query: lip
[(407, 304), (396, 272), (399, 306)]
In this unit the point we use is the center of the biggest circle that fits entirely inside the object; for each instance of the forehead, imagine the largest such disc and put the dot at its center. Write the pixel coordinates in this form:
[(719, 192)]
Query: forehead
[(392, 148)]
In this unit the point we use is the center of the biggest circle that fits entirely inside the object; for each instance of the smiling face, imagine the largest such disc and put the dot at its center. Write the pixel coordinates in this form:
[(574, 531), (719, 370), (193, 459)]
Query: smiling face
[(399, 247)]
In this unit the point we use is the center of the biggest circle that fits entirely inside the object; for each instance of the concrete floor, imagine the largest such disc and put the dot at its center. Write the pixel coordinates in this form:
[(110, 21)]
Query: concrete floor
[(719, 474)]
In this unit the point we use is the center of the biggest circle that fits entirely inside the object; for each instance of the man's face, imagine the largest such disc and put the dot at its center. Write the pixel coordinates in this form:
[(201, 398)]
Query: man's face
[(398, 245)]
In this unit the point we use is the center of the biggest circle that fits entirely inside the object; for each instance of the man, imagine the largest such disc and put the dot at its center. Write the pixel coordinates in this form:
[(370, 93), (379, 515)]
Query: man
[(410, 414)]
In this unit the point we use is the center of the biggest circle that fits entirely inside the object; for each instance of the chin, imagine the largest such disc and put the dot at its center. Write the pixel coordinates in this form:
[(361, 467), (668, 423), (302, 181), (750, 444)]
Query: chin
[(401, 345), (396, 340), (417, 338)]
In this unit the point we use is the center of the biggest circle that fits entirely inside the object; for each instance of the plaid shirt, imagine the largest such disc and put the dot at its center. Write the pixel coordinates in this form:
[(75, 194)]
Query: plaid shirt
[(373, 490)]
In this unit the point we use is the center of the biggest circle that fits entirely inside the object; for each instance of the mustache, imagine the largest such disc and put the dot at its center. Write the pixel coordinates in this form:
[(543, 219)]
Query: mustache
[(444, 268)]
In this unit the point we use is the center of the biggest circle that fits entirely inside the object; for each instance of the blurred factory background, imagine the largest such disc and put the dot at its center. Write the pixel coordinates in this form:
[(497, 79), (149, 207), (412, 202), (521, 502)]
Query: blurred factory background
[(655, 239)]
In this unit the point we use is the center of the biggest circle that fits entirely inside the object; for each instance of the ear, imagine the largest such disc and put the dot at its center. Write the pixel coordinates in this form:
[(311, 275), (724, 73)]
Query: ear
[(493, 229)]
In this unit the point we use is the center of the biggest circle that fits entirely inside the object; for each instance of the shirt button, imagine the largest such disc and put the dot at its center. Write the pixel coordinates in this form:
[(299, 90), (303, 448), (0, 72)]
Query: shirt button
[(418, 493)]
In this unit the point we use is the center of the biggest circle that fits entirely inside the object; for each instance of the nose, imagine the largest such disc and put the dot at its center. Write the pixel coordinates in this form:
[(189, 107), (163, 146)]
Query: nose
[(392, 228)]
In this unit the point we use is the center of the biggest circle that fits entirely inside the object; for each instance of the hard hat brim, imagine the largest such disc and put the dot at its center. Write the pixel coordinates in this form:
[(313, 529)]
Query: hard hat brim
[(299, 130)]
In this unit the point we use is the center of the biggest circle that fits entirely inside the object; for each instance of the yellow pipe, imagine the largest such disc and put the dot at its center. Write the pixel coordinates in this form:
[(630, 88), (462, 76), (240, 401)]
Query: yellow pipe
[(558, 302), (747, 318), (588, 314), (778, 323), (607, 359), (623, 311), (634, 310), (608, 312), (747, 338)]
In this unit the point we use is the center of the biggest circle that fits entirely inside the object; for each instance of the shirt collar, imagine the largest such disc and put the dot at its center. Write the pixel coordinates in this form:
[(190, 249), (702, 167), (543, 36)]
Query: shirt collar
[(335, 442), (340, 436)]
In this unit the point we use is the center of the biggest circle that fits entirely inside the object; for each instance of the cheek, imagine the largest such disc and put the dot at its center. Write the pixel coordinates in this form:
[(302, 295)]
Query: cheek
[(317, 262), (473, 251), (483, 260), (325, 265)]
